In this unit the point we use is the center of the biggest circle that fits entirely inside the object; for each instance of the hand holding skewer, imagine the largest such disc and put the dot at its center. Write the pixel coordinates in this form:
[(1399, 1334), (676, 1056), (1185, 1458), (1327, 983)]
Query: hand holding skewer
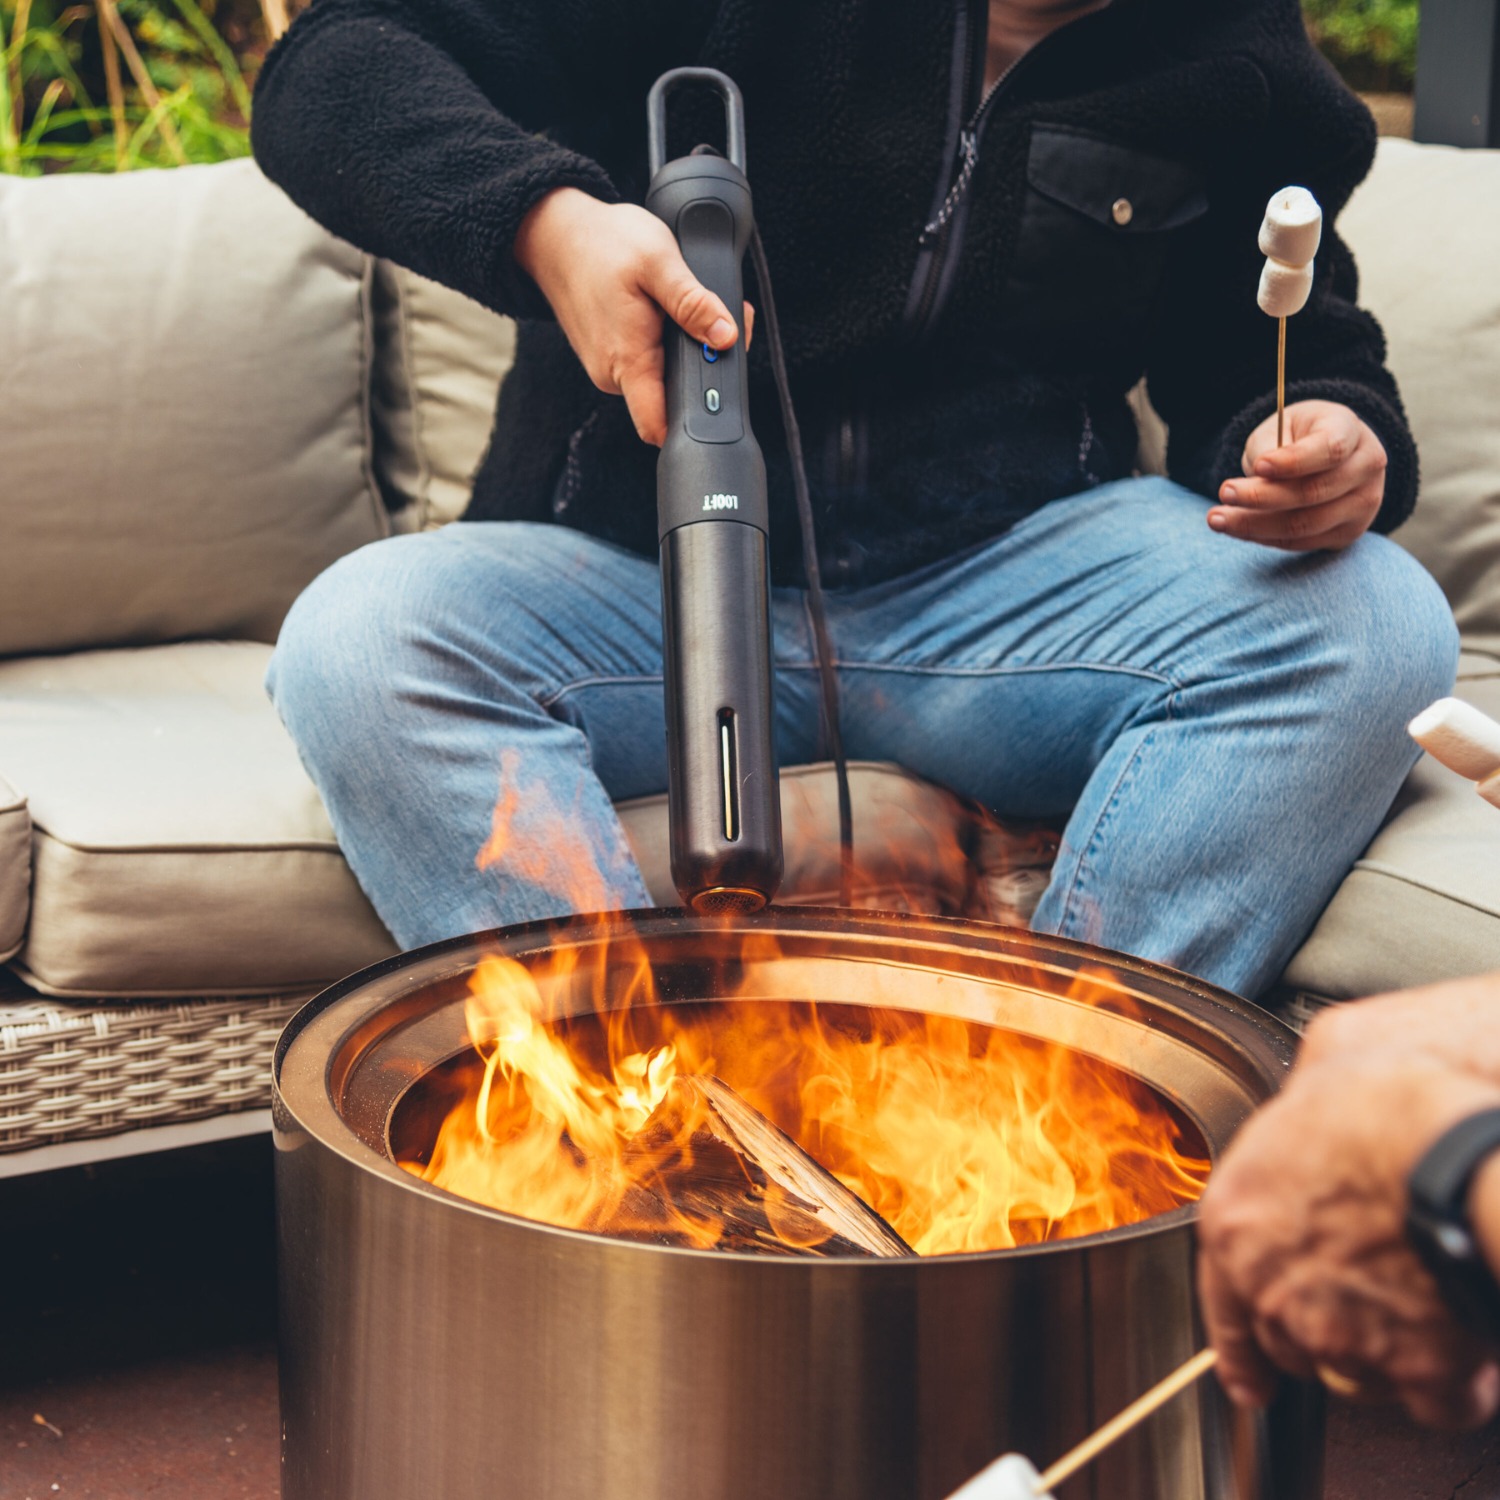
[(1314, 474)]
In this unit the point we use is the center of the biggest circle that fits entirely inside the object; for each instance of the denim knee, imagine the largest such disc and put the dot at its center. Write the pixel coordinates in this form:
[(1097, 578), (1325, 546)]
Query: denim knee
[(1400, 640), (342, 637)]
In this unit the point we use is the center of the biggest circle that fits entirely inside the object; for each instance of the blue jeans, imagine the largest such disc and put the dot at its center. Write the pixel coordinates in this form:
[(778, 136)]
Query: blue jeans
[(1220, 725)]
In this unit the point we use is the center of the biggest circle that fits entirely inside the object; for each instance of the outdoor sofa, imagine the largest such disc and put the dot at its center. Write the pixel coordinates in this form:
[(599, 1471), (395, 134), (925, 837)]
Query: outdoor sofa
[(205, 399)]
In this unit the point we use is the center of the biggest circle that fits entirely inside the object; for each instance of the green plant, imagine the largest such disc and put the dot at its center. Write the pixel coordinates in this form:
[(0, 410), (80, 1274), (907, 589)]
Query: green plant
[(1373, 43), (111, 85)]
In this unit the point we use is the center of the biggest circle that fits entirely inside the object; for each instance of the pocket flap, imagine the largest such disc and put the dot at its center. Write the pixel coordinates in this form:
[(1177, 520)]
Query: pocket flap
[(1127, 190)]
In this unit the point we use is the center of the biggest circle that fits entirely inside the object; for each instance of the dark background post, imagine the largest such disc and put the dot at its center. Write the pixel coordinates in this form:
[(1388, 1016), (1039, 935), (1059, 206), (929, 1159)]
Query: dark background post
[(1458, 73)]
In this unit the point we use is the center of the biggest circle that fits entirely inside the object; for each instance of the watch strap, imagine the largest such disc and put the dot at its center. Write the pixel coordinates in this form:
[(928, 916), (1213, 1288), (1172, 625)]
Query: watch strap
[(1442, 1178), (1438, 1224)]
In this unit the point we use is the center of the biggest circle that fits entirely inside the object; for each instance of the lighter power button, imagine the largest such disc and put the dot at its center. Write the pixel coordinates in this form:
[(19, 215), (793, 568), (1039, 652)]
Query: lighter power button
[(711, 399)]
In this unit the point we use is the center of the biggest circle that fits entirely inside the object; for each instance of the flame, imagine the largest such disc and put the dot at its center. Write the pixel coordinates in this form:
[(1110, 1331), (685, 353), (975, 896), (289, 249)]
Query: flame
[(532, 843), (544, 1135), (961, 1136)]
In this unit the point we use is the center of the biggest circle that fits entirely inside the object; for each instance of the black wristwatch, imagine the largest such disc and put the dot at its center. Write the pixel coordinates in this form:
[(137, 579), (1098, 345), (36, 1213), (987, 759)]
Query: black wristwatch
[(1438, 1225)]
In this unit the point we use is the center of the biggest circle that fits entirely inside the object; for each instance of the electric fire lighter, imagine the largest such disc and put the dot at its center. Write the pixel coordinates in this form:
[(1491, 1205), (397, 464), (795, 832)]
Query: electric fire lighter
[(723, 796)]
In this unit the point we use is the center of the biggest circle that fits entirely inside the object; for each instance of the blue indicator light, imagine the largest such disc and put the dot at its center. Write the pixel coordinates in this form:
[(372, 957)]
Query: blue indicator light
[(711, 354)]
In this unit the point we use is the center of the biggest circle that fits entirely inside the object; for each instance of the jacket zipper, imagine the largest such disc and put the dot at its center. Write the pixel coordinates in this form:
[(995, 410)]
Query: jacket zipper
[(968, 157), (571, 479), (942, 236), (929, 250)]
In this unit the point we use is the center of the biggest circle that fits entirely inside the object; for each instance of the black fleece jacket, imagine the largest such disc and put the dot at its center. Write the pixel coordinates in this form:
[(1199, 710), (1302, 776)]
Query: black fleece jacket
[(968, 288)]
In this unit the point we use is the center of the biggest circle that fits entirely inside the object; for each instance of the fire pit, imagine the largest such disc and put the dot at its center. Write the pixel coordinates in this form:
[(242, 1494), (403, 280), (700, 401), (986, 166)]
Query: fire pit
[(434, 1344)]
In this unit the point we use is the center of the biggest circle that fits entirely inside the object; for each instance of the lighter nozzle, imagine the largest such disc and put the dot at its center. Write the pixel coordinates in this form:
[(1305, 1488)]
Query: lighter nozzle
[(728, 900)]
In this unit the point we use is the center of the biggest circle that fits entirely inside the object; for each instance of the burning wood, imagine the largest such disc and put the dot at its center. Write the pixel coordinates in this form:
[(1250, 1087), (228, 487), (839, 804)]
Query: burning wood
[(707, 1159)]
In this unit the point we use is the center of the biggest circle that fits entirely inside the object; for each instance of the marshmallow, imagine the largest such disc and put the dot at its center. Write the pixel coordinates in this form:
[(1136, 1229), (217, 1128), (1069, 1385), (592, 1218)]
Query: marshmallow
[(1458, 735), (1010, 1477), (1284, 290), (1292, 229)]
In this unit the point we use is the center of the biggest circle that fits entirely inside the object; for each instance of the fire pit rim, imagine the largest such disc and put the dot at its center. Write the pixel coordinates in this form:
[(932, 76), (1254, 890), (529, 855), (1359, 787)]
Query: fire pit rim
[(586, 928)]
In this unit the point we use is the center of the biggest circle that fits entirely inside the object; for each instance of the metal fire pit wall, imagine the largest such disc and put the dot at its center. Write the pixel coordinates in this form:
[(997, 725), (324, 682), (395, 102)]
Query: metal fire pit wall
[(431, 1347)]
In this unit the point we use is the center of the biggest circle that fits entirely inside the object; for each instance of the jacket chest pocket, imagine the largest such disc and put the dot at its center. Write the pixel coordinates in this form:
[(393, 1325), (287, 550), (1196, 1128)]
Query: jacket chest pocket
[(1091, 250)]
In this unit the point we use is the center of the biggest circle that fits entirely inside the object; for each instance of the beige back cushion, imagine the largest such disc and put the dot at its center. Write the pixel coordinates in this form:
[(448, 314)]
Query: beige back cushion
[(1425, 229), (183, 407), (441, 360)]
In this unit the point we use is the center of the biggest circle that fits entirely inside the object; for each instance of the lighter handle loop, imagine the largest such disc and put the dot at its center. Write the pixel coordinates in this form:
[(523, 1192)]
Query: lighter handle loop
[(656, 113)]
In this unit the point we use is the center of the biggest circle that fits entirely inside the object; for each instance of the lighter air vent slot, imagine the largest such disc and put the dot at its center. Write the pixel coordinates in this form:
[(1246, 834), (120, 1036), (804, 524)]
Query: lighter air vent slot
[(729, 774)]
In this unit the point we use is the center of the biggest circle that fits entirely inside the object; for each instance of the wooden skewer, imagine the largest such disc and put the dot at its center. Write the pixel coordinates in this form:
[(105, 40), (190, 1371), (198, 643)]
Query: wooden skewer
[(1158, 1396), (1280, 380)]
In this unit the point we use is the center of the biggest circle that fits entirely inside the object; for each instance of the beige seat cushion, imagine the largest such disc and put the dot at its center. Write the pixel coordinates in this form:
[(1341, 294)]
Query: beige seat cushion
[(1424, 902), (179, 847), (1425, 229), (907, 840), (183, 400), (917, 847), (15, 868), (440, 360)]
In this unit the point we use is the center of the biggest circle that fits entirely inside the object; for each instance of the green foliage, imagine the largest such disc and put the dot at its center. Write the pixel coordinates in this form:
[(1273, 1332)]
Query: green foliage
[(1373, 43), (159, 85)]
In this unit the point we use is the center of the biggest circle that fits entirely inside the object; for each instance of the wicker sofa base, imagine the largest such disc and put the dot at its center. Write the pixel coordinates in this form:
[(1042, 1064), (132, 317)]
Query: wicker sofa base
[(73, 1072)]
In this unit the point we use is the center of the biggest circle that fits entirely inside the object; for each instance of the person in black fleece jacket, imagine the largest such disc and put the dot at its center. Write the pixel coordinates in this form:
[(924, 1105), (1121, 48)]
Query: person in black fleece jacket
[(986, 222)]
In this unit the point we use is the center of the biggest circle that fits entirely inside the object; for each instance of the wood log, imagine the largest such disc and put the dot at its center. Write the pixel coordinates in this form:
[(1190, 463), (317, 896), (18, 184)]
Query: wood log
[(708, 1168)]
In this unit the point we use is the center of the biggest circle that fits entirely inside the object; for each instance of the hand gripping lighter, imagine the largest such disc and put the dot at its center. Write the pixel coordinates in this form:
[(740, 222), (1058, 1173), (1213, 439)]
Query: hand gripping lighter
[(723, 796)]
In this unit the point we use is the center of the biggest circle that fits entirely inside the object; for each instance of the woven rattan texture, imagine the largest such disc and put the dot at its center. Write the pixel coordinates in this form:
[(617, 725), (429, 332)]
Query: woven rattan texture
[(69, 1071)]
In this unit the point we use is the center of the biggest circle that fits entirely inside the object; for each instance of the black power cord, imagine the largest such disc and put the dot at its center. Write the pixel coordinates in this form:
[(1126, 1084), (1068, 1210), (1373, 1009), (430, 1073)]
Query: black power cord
[(817, 607)]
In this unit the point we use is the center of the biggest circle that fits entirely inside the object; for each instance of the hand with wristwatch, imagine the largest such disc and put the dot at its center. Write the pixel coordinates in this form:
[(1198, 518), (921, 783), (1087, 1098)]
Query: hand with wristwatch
[(1352, 1232)]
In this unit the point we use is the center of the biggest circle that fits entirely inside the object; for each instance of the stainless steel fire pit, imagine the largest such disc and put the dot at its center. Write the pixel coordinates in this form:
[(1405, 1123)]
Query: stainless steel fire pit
[(432, 1347)]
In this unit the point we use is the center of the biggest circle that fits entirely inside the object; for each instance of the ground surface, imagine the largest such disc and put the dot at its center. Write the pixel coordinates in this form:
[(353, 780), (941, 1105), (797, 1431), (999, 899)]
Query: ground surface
[(137, 1354), (139, 1322)]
